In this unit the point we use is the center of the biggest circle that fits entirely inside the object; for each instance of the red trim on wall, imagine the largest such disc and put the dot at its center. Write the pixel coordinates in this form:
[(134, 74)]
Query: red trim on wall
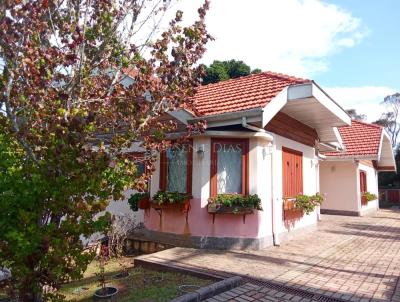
[(189, 167), (245, 163), (163, 171), (363, 181)]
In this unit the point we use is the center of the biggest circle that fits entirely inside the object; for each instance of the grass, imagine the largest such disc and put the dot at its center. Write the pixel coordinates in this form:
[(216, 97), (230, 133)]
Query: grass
[(142, 285)]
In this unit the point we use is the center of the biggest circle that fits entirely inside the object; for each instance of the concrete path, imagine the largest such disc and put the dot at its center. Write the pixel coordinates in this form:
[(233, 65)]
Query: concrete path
[(350, 258)]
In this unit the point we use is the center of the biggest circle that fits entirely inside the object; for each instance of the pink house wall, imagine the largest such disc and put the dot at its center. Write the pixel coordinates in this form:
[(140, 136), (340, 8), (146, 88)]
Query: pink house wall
[(257, 225)]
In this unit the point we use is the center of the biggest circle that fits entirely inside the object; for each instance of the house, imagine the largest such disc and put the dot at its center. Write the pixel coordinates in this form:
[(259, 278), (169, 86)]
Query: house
[(347, 174), (262, 137)]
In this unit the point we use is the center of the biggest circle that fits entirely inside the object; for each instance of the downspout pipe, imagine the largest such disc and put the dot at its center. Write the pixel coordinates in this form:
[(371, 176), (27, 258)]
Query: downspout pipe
[(275, 237)]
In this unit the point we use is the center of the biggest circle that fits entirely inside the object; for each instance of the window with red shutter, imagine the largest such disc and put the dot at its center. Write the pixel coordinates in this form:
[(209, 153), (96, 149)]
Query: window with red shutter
[(176, 169), (229, 166), (363, 181)]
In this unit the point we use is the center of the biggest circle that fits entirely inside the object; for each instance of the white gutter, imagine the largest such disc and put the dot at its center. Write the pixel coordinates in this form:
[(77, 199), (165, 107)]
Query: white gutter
[(218, 133), (251, 127), (228, 115), (230, 118), (330, 146)]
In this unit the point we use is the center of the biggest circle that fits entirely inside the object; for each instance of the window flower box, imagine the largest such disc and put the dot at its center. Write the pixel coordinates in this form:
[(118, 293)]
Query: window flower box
[(364, 200), (233, 204), (367, 197), (308, 203), (171, 201), (140, 200), (184, 206), (144, 203), (290, 211), (214, 208)]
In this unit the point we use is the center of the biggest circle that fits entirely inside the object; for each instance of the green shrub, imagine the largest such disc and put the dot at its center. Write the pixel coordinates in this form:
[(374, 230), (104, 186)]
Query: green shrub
[(162, 197), (308, 203), (369, 196), (135, 198), (237, 200)]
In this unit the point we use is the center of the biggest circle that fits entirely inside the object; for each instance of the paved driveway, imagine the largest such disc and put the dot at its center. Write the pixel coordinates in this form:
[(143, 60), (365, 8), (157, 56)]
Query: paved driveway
[(352, 258)]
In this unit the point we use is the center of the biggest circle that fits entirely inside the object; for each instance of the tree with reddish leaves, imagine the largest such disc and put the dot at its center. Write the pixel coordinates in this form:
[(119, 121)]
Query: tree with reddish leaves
[(80, 81)]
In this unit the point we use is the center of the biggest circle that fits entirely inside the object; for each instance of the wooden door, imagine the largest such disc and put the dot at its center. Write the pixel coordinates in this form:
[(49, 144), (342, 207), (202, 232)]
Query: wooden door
[(292, 172)]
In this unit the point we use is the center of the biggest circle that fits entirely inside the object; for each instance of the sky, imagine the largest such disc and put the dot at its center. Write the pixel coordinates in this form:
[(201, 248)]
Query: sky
[(349, 47)]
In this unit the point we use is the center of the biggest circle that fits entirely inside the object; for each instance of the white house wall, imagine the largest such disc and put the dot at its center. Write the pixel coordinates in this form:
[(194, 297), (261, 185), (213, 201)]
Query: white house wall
[(122, 208), (339, 181)]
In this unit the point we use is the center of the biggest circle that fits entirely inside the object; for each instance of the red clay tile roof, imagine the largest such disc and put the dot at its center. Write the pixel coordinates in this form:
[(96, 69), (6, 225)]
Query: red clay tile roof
[(359, 139), (248, 92)]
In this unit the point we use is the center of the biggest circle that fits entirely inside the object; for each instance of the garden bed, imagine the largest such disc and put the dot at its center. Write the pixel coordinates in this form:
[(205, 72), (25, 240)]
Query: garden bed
[(141, 284)]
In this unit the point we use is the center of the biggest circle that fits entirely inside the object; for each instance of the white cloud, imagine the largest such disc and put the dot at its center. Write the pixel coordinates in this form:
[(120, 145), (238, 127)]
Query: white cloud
[(366, 99), (290, 36)]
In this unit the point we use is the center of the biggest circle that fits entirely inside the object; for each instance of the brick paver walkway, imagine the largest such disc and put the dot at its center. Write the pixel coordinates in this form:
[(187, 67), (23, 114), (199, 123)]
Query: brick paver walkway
[(352, 258), (250, 292)]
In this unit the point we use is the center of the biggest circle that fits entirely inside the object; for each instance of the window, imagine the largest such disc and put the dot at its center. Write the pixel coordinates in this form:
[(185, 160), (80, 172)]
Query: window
[(363, 181), (176, 169), (138, 158), (229, 166), (292, 172)]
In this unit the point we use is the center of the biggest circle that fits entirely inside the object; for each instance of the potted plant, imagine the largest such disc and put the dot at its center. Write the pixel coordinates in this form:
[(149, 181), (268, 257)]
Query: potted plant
[(104, 292), (162, 200), (234, 203), (140, 200), (308, 203), (367, 197)]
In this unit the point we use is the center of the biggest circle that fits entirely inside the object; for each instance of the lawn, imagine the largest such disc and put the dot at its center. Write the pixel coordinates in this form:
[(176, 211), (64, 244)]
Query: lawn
[(142, 285)]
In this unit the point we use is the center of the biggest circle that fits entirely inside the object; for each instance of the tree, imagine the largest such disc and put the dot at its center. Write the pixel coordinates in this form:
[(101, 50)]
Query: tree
[(355, 116), (224, 70), (79, 83), (390, 118)]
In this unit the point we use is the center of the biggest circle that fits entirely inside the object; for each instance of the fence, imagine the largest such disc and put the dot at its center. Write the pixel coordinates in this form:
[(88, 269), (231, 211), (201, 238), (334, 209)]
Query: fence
[(389, 196)]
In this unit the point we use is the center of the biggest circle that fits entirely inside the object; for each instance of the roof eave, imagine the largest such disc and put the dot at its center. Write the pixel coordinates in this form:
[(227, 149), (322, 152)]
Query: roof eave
[(352, 157), (230, 118)]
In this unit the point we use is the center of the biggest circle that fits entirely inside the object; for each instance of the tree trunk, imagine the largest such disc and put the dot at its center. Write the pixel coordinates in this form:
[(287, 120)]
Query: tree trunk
[(29, 293)]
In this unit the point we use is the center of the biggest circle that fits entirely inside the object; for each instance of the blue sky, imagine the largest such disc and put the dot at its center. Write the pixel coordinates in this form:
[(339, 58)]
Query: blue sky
[(349, 47), (376, 59)]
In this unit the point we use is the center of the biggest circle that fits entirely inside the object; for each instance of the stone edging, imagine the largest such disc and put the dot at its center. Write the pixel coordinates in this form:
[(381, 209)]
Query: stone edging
[(210, 290)]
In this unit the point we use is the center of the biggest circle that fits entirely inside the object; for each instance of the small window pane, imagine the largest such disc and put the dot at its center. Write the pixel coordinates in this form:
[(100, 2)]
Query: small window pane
[(177, 169), (140, 169), (229, 168)]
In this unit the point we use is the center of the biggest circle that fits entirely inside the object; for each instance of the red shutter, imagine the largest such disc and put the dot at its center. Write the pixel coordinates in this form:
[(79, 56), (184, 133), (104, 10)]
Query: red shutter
[(363, 181), (292, 172)]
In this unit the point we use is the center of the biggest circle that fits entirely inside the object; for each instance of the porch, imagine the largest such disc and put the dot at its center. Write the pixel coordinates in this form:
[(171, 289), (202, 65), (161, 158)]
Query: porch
[(350, 258)]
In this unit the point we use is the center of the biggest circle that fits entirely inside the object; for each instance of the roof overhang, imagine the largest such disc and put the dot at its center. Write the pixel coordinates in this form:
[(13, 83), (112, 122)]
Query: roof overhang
[(182, 115), (225, 134), (230, 118), (312, 106), (307, 103), (386, 160)]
